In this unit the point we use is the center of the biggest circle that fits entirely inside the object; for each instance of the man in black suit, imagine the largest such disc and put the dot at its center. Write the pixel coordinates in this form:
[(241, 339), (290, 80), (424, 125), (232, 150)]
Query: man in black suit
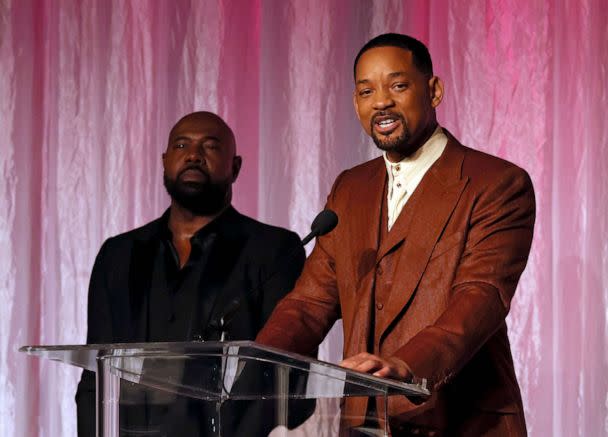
[(176, 277)]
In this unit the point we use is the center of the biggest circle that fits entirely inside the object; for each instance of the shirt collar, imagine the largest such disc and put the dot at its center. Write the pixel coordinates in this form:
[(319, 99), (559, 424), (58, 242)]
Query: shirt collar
[(216, 226), (427, 148)]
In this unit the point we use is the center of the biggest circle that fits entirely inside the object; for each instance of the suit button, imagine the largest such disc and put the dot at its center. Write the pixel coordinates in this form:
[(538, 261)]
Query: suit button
[(171, 318), (379, 306), (379, 270)]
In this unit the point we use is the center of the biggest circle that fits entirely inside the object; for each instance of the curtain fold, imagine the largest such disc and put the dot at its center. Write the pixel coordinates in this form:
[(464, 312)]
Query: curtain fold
[(89, 90)]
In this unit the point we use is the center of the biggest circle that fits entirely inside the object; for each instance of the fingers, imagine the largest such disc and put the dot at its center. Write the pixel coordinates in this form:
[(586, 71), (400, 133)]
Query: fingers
[(386, 372), (363, 362), (384, 368), (368, 363), (396, 369)]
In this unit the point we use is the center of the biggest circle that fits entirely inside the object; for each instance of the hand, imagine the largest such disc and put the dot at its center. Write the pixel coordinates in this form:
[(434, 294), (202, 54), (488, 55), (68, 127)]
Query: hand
[(392, 367)]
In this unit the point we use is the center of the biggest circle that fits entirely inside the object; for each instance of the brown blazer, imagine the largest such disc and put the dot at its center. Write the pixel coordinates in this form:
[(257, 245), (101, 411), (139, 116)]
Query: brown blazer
[(456, 266)]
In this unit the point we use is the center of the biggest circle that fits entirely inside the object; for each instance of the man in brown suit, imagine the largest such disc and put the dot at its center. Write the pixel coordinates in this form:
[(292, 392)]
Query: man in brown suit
[(424, 262)]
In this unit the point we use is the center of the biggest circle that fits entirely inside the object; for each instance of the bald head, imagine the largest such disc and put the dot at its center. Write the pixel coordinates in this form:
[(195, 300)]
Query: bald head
[(208, 121), (200, 163)]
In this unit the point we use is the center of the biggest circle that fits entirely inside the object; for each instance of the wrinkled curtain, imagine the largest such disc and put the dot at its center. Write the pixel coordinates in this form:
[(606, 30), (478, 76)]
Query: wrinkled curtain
[(90, 89)]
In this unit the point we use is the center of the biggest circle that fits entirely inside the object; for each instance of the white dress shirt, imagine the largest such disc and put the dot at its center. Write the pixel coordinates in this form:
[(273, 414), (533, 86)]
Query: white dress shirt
[(405, 175)]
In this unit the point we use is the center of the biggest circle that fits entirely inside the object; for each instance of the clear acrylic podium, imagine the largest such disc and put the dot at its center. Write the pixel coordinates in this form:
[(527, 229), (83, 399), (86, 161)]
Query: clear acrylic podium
[(234, 388)]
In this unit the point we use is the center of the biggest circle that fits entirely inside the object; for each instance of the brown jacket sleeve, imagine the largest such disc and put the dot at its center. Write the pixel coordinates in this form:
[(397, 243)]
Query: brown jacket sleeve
[(304, 317), (494, 257)]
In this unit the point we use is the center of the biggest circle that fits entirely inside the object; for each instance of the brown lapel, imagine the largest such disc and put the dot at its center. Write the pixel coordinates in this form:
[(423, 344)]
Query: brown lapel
[(369, 196), (365, 235), (441, 188)]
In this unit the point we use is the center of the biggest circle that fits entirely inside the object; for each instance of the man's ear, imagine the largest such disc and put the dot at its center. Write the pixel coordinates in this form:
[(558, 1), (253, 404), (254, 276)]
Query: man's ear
[(237, 162), (435, 91)]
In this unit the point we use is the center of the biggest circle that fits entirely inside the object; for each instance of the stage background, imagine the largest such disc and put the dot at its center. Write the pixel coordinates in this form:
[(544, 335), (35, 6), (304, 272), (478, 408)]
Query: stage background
[(90, 89)]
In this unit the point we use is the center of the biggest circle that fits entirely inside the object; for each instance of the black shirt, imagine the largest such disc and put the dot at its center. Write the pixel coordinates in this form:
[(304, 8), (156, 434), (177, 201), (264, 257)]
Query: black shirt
[(176, 295)]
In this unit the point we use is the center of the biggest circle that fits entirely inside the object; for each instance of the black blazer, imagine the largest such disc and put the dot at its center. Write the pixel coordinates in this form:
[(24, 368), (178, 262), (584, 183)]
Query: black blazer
[(250, 262)]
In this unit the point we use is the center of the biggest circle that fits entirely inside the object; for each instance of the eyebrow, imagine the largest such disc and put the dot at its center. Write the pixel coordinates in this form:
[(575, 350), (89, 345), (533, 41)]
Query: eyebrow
[(390, 75), (186, 138), (180, 138), (397, 73)]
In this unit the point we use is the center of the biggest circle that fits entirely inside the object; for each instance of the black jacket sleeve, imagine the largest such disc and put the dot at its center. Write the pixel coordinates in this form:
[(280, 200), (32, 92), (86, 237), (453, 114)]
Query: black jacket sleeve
[(99, 331)]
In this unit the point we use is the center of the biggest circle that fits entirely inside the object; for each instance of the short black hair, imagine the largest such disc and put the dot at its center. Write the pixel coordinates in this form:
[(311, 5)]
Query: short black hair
[(420, 54)]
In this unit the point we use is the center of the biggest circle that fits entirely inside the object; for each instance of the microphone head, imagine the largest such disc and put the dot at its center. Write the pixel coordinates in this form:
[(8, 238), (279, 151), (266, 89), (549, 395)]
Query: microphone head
[(324, 222)]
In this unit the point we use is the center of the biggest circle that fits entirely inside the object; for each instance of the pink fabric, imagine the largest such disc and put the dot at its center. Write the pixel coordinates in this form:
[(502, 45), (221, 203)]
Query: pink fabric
[(90, 89)]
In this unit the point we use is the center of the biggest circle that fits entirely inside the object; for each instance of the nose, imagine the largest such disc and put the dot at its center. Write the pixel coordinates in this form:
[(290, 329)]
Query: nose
[(195, 154), (383, 100)]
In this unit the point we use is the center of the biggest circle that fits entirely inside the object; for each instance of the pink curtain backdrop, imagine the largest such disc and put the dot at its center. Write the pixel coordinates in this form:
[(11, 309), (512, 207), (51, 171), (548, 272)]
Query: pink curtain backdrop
[(90, 89)]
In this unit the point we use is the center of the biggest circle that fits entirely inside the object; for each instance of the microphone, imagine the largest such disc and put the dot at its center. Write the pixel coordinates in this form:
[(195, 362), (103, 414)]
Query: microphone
[(323, 223)]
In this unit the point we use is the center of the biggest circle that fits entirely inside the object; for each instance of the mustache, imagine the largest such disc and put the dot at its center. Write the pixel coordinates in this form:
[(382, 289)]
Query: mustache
[(386, 113), (196, 167)]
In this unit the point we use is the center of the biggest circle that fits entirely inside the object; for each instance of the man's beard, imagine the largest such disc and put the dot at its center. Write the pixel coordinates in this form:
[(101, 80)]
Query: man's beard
[(399, 143), (200, 198)]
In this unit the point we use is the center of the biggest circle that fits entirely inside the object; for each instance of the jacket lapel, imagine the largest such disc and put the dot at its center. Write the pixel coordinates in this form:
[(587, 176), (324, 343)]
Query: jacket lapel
[(365, 237), (140, 281), (215, 297), (441, 188), (368, 197)]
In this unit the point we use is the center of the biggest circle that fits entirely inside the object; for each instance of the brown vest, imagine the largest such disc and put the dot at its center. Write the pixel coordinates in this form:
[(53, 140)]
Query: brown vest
[(383, 281), (383, 278)]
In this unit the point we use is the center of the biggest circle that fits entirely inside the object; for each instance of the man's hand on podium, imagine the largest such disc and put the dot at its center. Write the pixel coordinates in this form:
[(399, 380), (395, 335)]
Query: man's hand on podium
[(392, 367)]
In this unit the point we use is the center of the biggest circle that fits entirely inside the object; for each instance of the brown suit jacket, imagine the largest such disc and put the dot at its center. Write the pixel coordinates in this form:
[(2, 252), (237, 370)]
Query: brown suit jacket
[(456, 266)]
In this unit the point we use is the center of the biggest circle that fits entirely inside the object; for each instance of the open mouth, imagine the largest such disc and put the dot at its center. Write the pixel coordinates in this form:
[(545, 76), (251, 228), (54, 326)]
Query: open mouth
[(386, 124)]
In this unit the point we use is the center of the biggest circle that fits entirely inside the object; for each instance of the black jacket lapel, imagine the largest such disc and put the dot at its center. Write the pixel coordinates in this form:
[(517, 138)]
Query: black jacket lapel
[(214, 296), (140, 281)]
